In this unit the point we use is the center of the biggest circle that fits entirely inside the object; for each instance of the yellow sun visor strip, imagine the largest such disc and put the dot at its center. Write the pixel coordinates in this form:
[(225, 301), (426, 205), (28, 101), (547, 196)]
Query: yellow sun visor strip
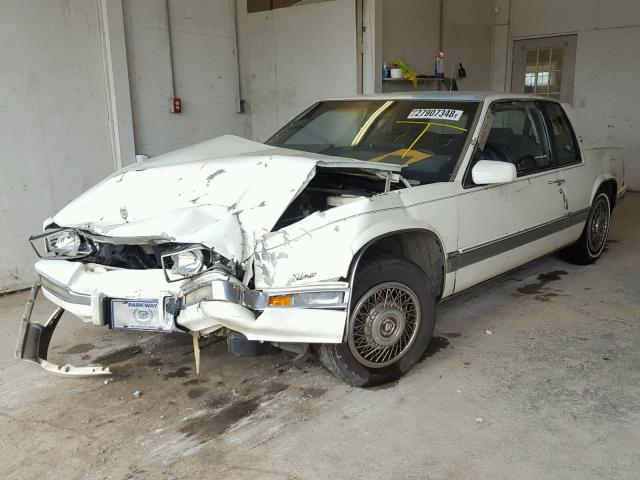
[(414, 156), (428, 125), (417, 139), (367, 125)]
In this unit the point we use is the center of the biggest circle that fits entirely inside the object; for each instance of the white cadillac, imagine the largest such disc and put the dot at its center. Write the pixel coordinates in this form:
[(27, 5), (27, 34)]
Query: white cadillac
[(339, 236)]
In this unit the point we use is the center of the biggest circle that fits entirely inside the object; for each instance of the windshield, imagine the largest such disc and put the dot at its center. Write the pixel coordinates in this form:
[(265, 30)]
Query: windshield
[(427, 136)]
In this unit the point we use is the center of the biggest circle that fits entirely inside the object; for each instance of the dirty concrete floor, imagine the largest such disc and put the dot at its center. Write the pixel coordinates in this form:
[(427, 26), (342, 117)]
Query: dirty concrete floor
[(531, 376)]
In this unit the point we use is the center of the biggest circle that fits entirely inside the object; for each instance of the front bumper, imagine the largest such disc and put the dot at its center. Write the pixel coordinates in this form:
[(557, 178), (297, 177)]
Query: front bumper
[(34, 338), (85, 290)]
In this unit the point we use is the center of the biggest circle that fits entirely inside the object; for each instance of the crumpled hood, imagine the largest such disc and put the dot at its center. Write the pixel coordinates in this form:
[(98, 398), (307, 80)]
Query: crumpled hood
[(225, 193)]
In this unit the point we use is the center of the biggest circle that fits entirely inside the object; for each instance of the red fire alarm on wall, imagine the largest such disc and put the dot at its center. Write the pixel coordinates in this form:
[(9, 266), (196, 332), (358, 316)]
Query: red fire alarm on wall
[(175, 105)]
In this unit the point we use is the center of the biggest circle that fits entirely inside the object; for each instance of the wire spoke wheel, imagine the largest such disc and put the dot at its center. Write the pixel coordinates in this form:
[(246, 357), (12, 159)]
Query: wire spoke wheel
[(384, 324), (598, 227)]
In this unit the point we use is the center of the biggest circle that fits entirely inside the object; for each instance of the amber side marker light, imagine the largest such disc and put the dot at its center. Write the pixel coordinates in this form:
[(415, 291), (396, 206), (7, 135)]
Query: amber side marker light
[(281, 301)]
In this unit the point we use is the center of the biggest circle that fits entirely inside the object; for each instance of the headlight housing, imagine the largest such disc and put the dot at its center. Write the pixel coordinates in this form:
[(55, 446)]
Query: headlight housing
[(188, 262), (62, 243), (191, 261), (66, 242)]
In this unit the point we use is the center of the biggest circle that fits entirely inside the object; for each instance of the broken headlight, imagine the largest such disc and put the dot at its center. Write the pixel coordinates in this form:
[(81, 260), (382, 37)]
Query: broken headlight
[(188, 263), (192, 261), (62, 243), (66, 242)]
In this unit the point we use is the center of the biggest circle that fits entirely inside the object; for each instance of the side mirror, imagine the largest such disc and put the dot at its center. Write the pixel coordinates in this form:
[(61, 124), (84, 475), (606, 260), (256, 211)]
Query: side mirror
[(487, 172)]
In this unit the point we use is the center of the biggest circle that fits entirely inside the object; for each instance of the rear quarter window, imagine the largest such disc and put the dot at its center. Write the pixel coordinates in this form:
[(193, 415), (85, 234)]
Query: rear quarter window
[(564, 144)]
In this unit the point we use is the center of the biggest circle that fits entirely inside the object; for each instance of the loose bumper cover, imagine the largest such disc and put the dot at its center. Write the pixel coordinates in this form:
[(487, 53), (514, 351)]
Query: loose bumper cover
[(204, 305), (34, 338)]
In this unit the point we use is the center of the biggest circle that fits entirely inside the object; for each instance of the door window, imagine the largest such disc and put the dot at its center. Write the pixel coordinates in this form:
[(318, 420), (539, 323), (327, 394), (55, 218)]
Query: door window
[(517, 136), (564, 143)]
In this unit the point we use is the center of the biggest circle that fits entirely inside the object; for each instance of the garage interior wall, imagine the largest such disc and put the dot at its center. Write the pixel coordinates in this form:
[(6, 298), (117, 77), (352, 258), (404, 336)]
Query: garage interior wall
[(205, 69), (606, 96), (411, 31), (290, 67), (56, 117)]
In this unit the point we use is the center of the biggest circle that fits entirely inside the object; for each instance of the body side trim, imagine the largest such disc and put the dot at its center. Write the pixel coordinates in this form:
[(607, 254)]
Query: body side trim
[(461, 259)]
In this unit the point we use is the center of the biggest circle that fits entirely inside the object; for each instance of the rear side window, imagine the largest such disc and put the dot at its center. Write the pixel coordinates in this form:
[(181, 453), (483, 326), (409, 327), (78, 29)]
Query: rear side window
[(563, 140)]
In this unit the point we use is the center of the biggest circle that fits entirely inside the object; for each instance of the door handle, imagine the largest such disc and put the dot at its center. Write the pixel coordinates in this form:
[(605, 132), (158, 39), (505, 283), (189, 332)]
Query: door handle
[(557, 181)]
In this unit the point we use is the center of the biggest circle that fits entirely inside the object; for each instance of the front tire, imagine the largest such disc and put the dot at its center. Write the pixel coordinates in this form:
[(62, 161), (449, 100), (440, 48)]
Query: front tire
[(392, 319), (591, 243)]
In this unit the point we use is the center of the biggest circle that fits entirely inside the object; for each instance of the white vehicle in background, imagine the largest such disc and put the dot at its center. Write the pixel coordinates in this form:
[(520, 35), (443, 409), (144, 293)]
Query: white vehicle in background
[(338, 236)]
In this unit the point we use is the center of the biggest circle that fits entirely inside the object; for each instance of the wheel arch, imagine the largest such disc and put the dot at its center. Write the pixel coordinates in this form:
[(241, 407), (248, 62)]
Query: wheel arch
[(421, 246), (609, 185)]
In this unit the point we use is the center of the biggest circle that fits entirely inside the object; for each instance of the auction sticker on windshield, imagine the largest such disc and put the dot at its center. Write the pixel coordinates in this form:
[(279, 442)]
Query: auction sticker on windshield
[(435, 114)]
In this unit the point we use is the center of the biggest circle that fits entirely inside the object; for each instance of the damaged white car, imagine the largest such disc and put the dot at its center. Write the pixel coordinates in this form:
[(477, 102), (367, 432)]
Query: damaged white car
[(338, 236)]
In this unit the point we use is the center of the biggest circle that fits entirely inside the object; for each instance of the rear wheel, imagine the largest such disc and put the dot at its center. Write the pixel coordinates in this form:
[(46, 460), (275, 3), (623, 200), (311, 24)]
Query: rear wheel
[(392, 320), (591, 243)]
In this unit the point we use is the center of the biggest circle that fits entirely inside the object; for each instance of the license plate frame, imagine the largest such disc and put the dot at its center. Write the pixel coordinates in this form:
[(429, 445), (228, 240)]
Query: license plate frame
[(139, 315)]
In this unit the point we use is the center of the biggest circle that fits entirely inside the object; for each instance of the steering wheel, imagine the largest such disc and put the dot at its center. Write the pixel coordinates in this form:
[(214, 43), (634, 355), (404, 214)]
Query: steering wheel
[(525, 163), (491, 152)]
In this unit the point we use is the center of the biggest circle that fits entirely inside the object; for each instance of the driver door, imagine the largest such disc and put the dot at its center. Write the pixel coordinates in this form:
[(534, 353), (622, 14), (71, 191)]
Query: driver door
[(501, 227)]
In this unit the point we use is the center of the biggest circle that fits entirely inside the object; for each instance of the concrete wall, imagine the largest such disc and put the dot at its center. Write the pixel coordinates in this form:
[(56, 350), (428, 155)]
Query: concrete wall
[(205, 69), (411, 31), (468, 36), (298, 55), (606, 96), (55, 135)]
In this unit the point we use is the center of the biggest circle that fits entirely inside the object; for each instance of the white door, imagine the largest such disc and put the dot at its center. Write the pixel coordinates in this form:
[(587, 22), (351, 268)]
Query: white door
[(565, 150), (503, 226)]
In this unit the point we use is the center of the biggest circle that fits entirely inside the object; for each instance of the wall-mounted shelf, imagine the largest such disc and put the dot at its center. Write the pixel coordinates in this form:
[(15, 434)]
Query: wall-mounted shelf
[(424, 84)]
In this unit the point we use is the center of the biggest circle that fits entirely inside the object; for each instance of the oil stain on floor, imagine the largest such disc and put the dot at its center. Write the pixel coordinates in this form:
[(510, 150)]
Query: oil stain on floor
[(118, 356), (80, 348), (207, 426), (181, 372), (539, 288), (435, 345), (204, 428)]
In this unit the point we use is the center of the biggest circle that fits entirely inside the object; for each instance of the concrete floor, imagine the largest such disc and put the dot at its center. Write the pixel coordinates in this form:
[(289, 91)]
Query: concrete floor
[(552, 393)]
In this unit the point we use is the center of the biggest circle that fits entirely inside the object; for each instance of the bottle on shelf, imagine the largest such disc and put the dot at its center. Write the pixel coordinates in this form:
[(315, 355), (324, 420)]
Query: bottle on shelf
[(386, 73), (439, 71)]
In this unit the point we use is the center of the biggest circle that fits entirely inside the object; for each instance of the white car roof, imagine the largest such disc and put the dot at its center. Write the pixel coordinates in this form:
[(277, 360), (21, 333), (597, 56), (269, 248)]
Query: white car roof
[(445, 96)]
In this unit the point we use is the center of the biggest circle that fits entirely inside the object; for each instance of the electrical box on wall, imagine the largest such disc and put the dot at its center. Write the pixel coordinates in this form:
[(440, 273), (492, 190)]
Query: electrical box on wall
[(175, 105)]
